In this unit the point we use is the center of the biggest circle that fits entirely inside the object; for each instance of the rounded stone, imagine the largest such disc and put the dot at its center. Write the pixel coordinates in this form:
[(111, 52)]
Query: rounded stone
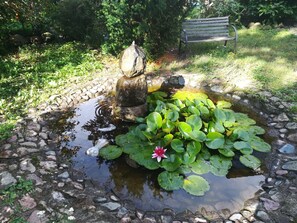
[(131, 91), (133, 61), (287, 149)]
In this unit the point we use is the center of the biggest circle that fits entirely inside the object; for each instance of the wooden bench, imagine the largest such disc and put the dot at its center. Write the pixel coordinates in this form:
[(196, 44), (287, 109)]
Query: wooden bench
[(207, 30)]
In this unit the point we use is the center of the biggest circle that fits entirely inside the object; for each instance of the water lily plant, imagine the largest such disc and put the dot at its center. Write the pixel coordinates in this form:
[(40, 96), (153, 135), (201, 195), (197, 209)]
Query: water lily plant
[(159, 153), (200, 136)]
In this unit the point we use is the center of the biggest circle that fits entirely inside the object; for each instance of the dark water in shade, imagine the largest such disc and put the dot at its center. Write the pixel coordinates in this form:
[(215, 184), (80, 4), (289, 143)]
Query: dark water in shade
[(140, 186)]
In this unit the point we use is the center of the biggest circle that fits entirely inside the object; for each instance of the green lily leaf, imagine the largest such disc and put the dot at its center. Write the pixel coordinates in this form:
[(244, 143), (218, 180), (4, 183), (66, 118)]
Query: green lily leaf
[(226, 152), (121, 140), (172, 115), (188, 158), (256, 130), (242, 134), (210, 103), (154, 121), (183, 95), (179, 103), (241, 145), (196, 185), (216, 140), (185, 129), (247, 151), (171, 163), (144, 158), (224, 104), (220, 115), (168, 126), (220, 165), (110, 152), (204, 110), (194, 121), (243, 119), (170, 181), (198, 136), (200, 166), (184, 169), (204, 153), (218, 126), (259, 145), (193, 148), (172, 107), (177, 145), (194, 110), (167, 140), (250, 161)]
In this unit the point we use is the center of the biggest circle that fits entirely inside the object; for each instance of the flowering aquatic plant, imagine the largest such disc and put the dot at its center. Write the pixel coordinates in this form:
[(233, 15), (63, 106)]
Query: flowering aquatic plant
[(159, 153)]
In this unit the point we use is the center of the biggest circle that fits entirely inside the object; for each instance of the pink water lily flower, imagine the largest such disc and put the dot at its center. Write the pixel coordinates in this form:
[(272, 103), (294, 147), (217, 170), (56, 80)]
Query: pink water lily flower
[(159, 153)]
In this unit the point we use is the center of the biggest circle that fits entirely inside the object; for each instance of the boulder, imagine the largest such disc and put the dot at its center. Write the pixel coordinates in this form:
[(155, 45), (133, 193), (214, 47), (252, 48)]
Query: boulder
[(131, 92), (133, 61)]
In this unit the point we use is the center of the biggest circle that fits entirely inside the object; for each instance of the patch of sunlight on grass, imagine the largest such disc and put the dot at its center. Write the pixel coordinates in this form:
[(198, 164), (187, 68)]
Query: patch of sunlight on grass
[(282, 34)]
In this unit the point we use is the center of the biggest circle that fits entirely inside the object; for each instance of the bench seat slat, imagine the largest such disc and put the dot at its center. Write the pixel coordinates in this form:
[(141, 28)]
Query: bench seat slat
[(205, 24), (210, 39)]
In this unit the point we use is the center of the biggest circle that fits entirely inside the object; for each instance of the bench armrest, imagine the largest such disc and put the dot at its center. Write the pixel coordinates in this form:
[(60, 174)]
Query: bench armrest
[(235, 32), (184, 36)]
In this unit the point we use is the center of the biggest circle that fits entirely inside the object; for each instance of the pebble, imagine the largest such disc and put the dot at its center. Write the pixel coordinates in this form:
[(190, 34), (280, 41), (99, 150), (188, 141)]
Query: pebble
[(58, 196), (29, 144), (112, 206), (26, 165), (291, 125), (282, 118), (293, 137), (7, 179), (122, 212), (48, 165), (99, 199), (290, 165), (263, 216), (64, 175), (288, 149), (27, 202)]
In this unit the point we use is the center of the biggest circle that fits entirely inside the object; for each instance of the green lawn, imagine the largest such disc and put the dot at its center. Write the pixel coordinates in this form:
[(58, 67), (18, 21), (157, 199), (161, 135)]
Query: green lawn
[(265, 59)]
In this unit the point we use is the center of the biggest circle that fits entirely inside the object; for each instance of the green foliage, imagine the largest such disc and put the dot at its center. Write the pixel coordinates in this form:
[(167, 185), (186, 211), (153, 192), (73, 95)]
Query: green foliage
[(6, 130), (152, 24), (38, 71), (199, 135), (79, 20), (17, 190)]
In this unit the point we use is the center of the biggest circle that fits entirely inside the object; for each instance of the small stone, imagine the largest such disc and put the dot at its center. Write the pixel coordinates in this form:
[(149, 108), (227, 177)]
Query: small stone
[(150, 219), (99, 199), (281, 172), (236, 216), (48, 165), (37, 217), (64, 175), (43, 135), (77, 185), (26, 165), (50, 153), (122, 212), (282, 118), (61, 184), (263, 216), (283, 130), (287, 149), (236, 97), (34, 126), (23, 151), (27, 203), (6, 146), (293, 137), (114, 198), (166, 218), (35, 178), (12, 167), (7, 179), (112, 206), (29, 144), (270, 205), (126, 219), (274, 99), (58, 196), (291, 125), (217, 88), (139, 214), (200, 220), (290, 165)]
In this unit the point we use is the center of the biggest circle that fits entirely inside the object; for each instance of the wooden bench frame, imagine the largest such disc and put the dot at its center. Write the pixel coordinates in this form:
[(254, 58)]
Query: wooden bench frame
[(207, 30)]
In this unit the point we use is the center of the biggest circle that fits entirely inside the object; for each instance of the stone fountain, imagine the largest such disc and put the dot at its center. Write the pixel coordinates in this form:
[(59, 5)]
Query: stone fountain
[(131, 88)]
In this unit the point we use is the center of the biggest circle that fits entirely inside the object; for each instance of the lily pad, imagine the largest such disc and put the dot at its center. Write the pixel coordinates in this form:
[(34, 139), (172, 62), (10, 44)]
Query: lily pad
[(220, 165), (177, 145), (144, 158), (250, 161), (170, 180), (185, 129), (220, 115), (195, 122), (259, 145), (200, 166), (241, 145), (110, 152), (154, 121), (172, 162), (227, 152), (196, 185), (216, 140), (223, 104)]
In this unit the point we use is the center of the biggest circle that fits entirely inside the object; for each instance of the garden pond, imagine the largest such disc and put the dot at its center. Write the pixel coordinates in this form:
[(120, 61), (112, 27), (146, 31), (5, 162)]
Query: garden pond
[(137, 186)]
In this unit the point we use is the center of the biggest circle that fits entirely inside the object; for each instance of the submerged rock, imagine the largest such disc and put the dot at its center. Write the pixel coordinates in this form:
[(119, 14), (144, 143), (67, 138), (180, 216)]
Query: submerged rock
[(94, 150)]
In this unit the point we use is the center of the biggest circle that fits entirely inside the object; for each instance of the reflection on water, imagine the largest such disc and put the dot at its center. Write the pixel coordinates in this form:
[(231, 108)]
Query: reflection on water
[(80, 130)]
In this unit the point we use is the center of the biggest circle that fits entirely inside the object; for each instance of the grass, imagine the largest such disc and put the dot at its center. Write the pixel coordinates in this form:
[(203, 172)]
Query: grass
[(265, 60), (9, 196)]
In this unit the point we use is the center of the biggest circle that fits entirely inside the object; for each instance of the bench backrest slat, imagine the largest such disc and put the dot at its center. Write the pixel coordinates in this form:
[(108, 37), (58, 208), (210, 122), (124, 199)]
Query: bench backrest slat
[(207, 27)]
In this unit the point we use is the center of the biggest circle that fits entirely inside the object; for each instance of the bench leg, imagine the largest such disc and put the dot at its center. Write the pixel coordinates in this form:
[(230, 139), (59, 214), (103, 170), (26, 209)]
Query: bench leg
[(225, 44), (179, 47)]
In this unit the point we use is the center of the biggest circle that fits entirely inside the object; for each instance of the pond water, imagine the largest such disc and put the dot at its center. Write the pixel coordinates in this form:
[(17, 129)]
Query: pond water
[(139, 186)]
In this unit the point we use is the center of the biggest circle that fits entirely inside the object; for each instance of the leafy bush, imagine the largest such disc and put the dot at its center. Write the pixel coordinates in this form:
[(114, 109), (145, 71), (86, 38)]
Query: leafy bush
[(78, 20), (199, 137), (151, 24), (231, 8)]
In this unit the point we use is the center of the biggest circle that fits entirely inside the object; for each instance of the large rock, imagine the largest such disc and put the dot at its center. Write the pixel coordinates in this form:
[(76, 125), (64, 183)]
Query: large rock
[(133, 61), (131, 91)]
